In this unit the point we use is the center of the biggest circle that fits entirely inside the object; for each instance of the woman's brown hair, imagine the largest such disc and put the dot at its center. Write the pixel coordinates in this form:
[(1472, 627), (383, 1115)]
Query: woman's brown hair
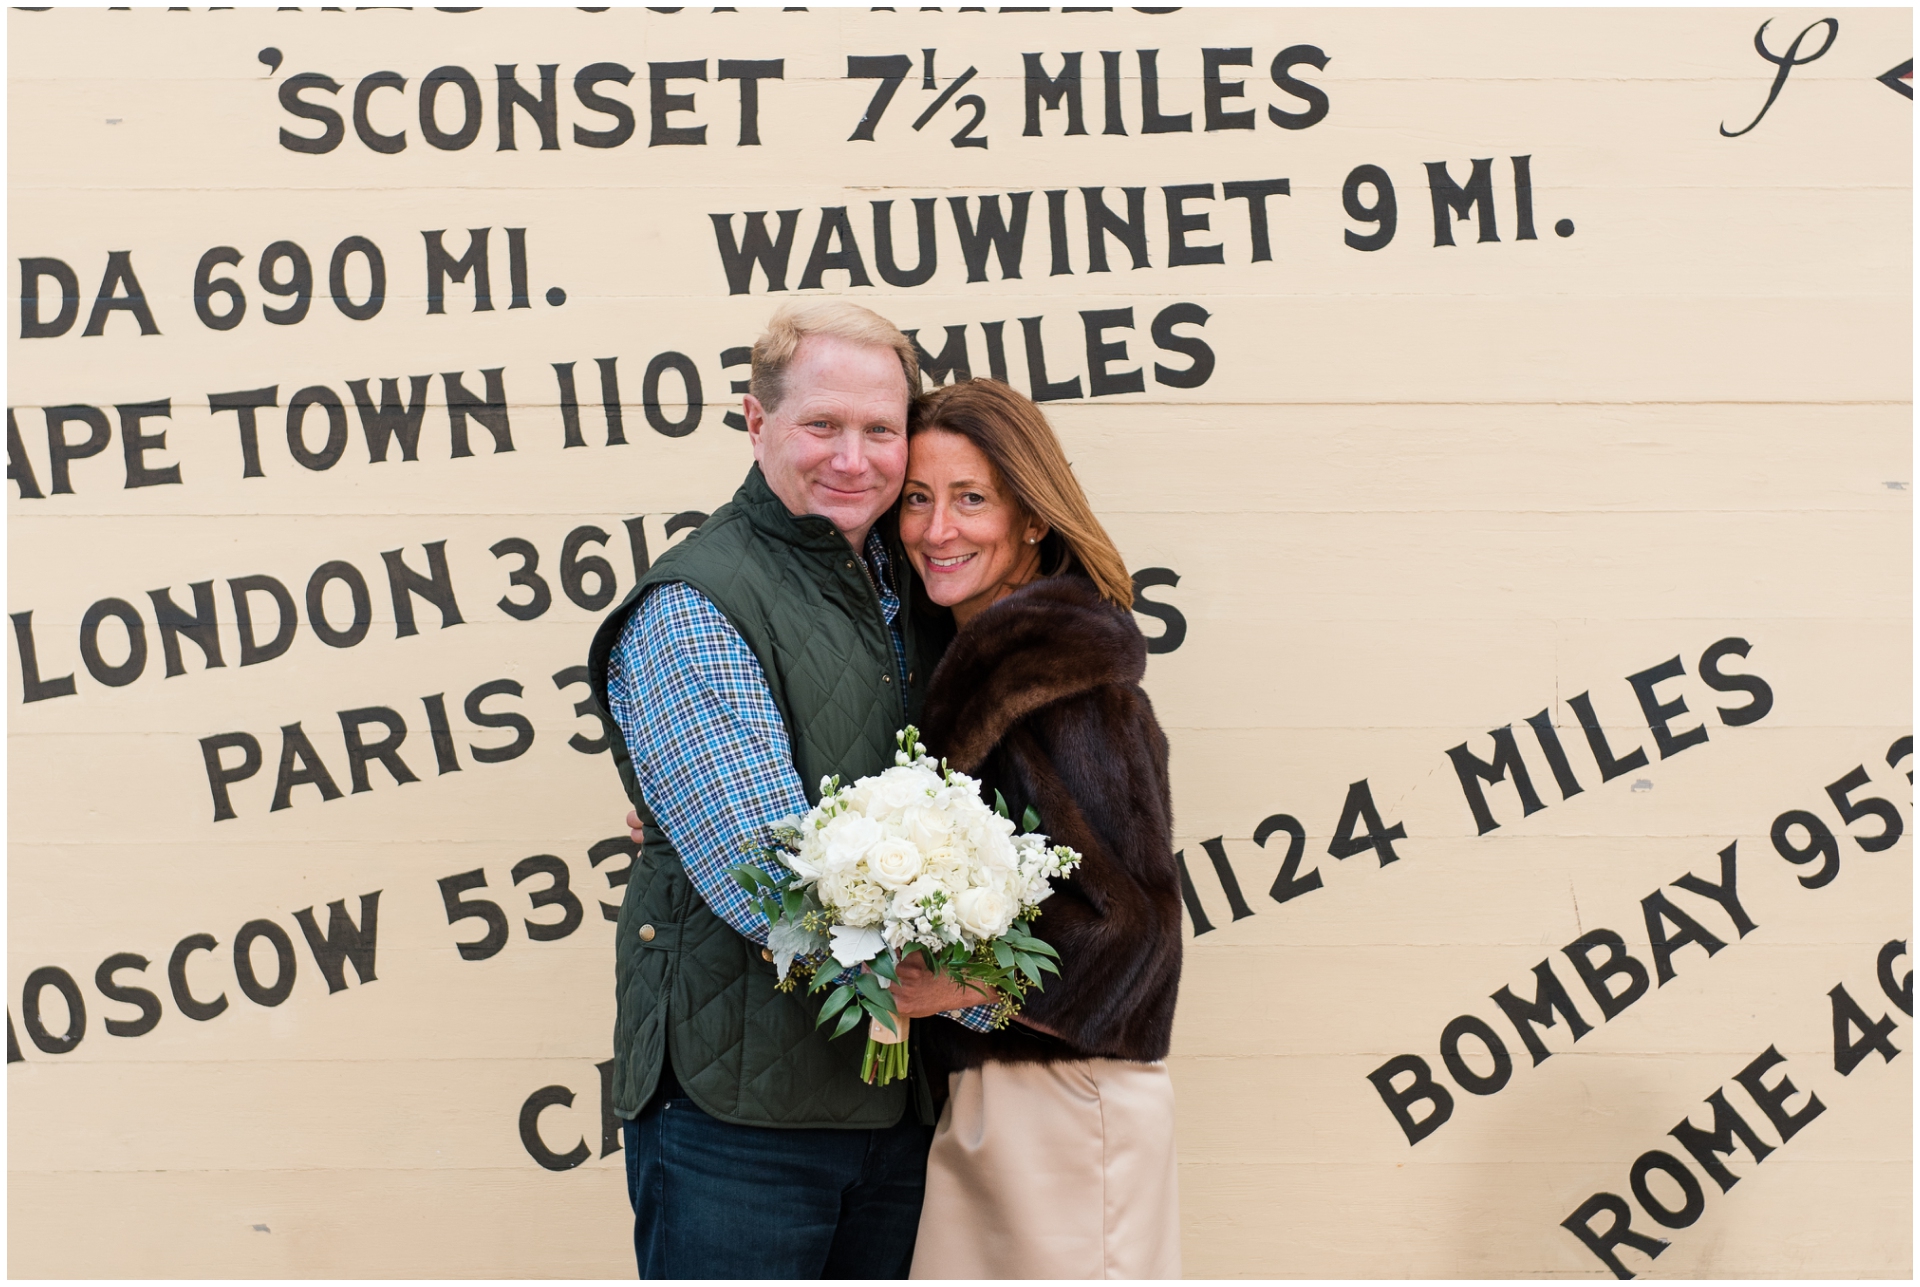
[(1020, 445)]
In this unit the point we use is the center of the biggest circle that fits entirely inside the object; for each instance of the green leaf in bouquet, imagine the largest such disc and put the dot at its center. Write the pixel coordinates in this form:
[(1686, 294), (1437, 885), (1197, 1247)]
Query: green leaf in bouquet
[(885, 1020), (1029, 967), (883, 966), (847, 1020), (1030, 820), (1000, 804), (793, 903), (1003, 953), (839, 999), (869, 985)]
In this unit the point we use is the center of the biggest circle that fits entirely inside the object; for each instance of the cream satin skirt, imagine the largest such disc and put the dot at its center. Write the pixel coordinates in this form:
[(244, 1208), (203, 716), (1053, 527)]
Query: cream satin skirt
[(1062, 1170)]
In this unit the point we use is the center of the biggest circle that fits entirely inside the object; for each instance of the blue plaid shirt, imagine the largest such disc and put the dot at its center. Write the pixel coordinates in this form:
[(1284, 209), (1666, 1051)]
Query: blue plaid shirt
[(710, 749)]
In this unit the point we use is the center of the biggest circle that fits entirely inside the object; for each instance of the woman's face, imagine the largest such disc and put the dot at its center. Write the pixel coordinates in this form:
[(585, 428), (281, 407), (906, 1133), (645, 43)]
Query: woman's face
[(965, 535)]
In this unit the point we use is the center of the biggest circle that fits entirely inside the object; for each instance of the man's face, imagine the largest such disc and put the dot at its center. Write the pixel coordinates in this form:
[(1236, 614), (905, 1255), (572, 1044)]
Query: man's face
[(837, 444)]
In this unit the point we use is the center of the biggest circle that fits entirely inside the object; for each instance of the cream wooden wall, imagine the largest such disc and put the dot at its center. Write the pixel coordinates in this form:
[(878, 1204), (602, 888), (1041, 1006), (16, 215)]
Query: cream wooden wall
[(1423, 492)]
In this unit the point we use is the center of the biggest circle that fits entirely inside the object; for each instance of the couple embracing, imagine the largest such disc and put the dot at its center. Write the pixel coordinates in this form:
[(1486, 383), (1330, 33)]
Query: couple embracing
[(891, 558)]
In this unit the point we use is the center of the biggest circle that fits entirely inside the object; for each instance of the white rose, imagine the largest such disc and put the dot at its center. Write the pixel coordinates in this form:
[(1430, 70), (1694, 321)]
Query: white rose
[(984, 913), (846, 839), (925, 825), (895, 790), (894, 864)]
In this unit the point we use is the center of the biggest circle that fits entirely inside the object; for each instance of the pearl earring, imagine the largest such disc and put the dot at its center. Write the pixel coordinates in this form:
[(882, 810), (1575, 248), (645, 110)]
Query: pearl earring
[(1029, 540)]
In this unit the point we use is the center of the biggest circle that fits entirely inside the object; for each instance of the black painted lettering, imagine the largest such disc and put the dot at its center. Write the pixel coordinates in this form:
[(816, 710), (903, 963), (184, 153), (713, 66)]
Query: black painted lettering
[(287, 618), (1755, 687), (60, 451), (834, 226), (220, 776), (32, 325), (286, 966), (129, 617), (1619, 962), (1215, 92), (1660, 714), (1706, 1147), (1472, 1025), (1152, 119), (1100, 353), (490, 411), (543, 110), (1051, 91), (1196, 350), (1042, 389), (951, 364), (750, 72), (32, 687), (344, 941), (203, 627), (757, 247), (441, 265), (1420, 1088), (300, 765), (1726, 893), (1603, 756), (1580, 1225), (183, 998), (1005, 237), (1473, 771), (664, 104), (1255, 193), (1875, 1034), (1451, 200), (928, 254), (1693, 1202), (1281, 73), (386, 750), (585, 89), (393, 421), (1549, 997), (1660, 912), (1773, 1099), (146, 1002), (246, 404)]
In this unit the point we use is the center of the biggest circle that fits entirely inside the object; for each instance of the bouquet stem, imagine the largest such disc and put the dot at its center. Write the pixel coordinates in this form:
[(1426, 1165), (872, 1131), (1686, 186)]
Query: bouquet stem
[(886, 1057)]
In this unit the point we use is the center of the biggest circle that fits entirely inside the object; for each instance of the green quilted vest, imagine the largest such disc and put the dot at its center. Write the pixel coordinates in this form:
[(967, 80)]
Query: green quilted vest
[(806, 606)]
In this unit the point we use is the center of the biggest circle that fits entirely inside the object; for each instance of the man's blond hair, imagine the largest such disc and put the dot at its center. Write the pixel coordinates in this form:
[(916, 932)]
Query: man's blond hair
[(773, 352)]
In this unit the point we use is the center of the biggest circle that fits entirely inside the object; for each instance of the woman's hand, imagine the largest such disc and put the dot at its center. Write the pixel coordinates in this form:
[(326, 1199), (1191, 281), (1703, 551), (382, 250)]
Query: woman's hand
[(633, 827), (919, 992)]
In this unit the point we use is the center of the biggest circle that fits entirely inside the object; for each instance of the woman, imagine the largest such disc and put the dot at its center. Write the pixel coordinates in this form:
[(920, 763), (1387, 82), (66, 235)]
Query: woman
[(1054, 1155)]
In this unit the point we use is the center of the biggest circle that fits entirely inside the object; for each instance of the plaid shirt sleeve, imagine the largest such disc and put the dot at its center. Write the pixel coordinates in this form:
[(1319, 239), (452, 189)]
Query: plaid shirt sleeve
[(710, 749)]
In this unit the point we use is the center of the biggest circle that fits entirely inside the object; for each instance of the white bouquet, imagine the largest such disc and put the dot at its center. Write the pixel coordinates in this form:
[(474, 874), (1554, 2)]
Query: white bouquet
[(908, 860)]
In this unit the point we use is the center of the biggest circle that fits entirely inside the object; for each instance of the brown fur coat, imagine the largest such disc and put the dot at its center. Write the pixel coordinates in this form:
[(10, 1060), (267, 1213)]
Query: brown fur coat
[(1039, 696)]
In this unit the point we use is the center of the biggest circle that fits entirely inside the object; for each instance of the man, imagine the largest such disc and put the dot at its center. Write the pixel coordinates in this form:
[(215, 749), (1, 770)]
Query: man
[(772, 648)]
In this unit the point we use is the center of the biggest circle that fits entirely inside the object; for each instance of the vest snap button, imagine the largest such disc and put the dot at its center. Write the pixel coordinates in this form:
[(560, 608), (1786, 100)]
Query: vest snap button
[(886, 679), (647, 933), (766, 954)]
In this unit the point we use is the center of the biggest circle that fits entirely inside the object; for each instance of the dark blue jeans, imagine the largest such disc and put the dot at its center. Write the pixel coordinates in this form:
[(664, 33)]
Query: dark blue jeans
[(713, 1200)]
